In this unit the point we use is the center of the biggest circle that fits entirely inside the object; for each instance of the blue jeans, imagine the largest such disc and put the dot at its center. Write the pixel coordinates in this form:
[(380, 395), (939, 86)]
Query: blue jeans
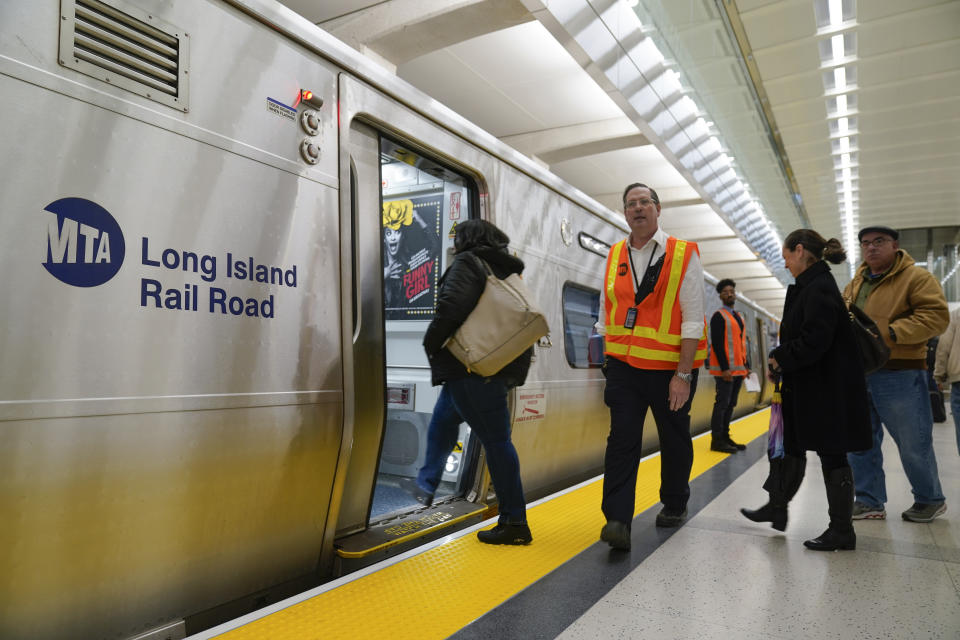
[(900, 401), (482, 404), (955, 409)]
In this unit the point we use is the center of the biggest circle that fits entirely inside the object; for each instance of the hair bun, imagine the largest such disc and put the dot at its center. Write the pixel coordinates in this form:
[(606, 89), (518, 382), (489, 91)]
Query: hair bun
[(833, 251)]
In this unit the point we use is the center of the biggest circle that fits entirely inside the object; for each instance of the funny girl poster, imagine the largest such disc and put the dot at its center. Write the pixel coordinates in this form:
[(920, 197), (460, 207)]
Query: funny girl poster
[(411, 257)]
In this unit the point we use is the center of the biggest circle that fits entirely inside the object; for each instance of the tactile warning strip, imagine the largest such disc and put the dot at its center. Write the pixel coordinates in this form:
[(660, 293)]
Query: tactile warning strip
[(436, 593)]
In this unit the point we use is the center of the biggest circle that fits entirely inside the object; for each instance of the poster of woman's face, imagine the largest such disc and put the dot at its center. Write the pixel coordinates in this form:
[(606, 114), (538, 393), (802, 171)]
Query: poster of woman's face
[(391, 240)]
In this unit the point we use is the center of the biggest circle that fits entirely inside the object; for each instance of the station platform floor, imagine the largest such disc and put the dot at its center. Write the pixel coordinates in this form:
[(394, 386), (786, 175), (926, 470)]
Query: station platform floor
[(717, 576)]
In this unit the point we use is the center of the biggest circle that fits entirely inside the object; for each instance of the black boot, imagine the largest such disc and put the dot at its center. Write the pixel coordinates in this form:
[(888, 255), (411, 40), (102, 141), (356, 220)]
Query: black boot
[(783, 482), (840, 534)]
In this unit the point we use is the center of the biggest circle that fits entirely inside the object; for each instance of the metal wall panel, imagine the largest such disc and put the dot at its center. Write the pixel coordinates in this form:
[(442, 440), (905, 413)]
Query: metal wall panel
[(157, 462)]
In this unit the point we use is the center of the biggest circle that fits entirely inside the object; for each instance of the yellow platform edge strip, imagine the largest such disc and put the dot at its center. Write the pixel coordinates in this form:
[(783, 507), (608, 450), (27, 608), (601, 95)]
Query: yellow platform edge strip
[(438, 592)]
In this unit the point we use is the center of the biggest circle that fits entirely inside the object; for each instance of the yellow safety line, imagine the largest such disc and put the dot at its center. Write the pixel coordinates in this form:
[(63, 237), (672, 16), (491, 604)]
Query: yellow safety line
[(438, 592)]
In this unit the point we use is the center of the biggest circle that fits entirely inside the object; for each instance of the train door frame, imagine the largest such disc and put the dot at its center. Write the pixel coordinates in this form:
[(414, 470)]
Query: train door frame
[(366, 114)]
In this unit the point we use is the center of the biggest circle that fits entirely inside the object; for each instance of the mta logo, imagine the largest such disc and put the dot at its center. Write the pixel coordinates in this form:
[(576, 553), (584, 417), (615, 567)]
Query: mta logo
[(84, 244)]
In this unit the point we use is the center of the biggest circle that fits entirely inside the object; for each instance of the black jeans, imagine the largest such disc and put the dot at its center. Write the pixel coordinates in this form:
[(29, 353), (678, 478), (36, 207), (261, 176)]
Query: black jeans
[(726, 400), (629, 393)]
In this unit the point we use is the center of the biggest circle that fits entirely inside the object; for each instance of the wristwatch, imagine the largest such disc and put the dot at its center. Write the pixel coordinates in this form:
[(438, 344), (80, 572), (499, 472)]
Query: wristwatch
[(686, 377)]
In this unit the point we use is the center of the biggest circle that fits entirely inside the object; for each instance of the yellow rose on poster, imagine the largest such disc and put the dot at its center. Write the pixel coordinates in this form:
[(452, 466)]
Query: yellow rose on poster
[(397, 213)]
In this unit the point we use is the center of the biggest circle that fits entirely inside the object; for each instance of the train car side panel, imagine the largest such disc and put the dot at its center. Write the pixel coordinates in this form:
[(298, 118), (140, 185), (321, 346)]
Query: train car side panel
[(168, 431)]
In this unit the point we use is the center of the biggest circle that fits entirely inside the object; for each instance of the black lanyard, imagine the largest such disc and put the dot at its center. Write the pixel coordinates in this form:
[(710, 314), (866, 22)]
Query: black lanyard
[(636, 292)]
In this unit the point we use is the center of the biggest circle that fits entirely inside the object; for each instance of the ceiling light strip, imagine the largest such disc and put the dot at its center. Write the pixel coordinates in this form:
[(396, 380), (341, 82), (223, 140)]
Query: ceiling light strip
[(679, 122), (730, 17), (840, 97)]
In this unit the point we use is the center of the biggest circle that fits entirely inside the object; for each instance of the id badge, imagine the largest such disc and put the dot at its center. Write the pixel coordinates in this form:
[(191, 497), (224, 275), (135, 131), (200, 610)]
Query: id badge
[(631, 318)]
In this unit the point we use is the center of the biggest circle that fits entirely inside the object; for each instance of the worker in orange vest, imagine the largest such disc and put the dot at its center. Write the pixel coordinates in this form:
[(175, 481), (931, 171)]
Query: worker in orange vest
[(655, 342), (728, 365)]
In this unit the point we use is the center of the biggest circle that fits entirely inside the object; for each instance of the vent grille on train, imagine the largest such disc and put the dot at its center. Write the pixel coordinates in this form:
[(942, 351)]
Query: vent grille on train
[(126, 47)]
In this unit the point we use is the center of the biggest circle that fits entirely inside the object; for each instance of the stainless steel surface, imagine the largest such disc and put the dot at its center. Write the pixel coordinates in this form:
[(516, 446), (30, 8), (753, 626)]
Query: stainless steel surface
[(161, 461), (172, 631), (121, 44), (300, 30), (364, 352), (229, 109)]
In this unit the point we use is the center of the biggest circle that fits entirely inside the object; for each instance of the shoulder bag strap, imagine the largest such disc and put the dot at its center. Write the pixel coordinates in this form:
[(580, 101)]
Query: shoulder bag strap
[(483, 265)]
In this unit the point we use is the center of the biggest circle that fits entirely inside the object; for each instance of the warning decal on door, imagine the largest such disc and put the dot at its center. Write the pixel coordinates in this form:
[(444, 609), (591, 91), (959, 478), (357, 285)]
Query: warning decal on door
[(530, 405)]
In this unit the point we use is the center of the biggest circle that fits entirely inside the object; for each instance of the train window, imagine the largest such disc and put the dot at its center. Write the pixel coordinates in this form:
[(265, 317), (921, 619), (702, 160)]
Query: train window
[(581, 342), (593, 245), (422, 204)]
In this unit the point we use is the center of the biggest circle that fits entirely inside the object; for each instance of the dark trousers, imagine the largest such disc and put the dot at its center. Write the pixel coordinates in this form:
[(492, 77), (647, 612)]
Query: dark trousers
[(629, 393), (723, 404)]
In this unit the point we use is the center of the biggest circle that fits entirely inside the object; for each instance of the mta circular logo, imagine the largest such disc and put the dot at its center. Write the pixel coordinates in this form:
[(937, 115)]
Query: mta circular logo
[(84, 243)]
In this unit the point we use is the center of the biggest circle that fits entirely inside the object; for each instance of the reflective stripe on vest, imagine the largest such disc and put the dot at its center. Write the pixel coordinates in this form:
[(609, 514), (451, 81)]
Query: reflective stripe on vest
[(735, 343), (654, 341)]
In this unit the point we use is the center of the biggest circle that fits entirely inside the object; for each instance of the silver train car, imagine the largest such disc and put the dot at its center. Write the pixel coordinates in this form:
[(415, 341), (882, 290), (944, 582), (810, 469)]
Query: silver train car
[(224, 231)]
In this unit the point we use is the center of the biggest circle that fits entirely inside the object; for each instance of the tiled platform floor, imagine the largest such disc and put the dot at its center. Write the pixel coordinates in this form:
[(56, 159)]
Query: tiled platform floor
[(722, 576)]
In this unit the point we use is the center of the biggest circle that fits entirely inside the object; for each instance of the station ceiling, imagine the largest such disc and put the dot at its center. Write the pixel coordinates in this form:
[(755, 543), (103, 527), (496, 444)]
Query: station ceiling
[(751, 118)]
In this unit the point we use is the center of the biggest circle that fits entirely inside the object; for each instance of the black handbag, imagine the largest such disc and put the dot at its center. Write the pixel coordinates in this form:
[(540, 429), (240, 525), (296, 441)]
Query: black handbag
[(937, 406), (874, 352)]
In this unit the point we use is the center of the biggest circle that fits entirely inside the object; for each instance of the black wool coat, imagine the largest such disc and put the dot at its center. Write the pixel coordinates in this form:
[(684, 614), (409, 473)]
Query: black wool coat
[(460, 288), (824, 389)]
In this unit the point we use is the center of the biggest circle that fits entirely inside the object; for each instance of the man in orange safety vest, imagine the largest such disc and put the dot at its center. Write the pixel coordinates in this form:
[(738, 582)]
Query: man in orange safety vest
[(655, 342), (728, 365)]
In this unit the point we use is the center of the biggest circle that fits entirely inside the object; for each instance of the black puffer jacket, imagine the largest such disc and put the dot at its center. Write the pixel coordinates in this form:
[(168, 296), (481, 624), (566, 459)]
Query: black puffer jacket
[(460, 289)]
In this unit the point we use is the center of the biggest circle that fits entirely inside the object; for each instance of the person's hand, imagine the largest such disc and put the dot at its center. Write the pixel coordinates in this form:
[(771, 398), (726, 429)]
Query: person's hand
[(392, 270), (727, 375), (679, 393)]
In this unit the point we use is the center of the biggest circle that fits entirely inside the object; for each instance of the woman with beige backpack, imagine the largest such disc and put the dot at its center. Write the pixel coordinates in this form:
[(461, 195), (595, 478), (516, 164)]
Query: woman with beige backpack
[(479, 399)]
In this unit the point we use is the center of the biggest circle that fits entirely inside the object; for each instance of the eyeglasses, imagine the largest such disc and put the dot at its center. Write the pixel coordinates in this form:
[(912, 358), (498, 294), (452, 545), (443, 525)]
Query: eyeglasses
[(876, 242), (643, 202)]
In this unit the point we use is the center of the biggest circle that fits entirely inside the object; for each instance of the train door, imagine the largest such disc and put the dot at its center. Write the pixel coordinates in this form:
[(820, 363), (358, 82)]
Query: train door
[(401, 208), (421, 202)]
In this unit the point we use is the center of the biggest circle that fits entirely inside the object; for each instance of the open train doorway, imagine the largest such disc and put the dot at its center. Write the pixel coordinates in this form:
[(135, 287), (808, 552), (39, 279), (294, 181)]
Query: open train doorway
[(422, 202)]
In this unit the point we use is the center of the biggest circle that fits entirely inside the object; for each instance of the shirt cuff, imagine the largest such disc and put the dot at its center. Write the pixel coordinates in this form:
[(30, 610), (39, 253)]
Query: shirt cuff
[(692, 330)]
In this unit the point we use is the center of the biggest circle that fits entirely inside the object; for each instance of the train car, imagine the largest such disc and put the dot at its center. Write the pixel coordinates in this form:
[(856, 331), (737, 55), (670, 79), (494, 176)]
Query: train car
[(224, 233)]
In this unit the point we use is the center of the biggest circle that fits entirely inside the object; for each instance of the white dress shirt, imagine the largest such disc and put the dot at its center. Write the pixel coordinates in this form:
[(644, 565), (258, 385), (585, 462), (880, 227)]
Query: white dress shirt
[(691, 289)]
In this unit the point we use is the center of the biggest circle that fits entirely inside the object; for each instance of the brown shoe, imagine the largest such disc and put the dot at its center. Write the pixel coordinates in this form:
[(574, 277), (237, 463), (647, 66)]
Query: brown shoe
[(617, 535), (671, 517)]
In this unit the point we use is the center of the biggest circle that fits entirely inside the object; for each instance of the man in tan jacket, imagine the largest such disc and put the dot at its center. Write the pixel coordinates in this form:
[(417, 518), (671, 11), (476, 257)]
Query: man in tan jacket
[(909, 308), (947, 368)]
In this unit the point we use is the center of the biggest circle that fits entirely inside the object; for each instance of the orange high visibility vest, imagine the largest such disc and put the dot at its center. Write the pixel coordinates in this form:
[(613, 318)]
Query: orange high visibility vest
[(654, 341), (735, 346)]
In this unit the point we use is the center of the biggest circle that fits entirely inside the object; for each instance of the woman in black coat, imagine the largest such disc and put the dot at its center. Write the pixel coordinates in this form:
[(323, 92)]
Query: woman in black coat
[(824, 390), (468, 397)]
